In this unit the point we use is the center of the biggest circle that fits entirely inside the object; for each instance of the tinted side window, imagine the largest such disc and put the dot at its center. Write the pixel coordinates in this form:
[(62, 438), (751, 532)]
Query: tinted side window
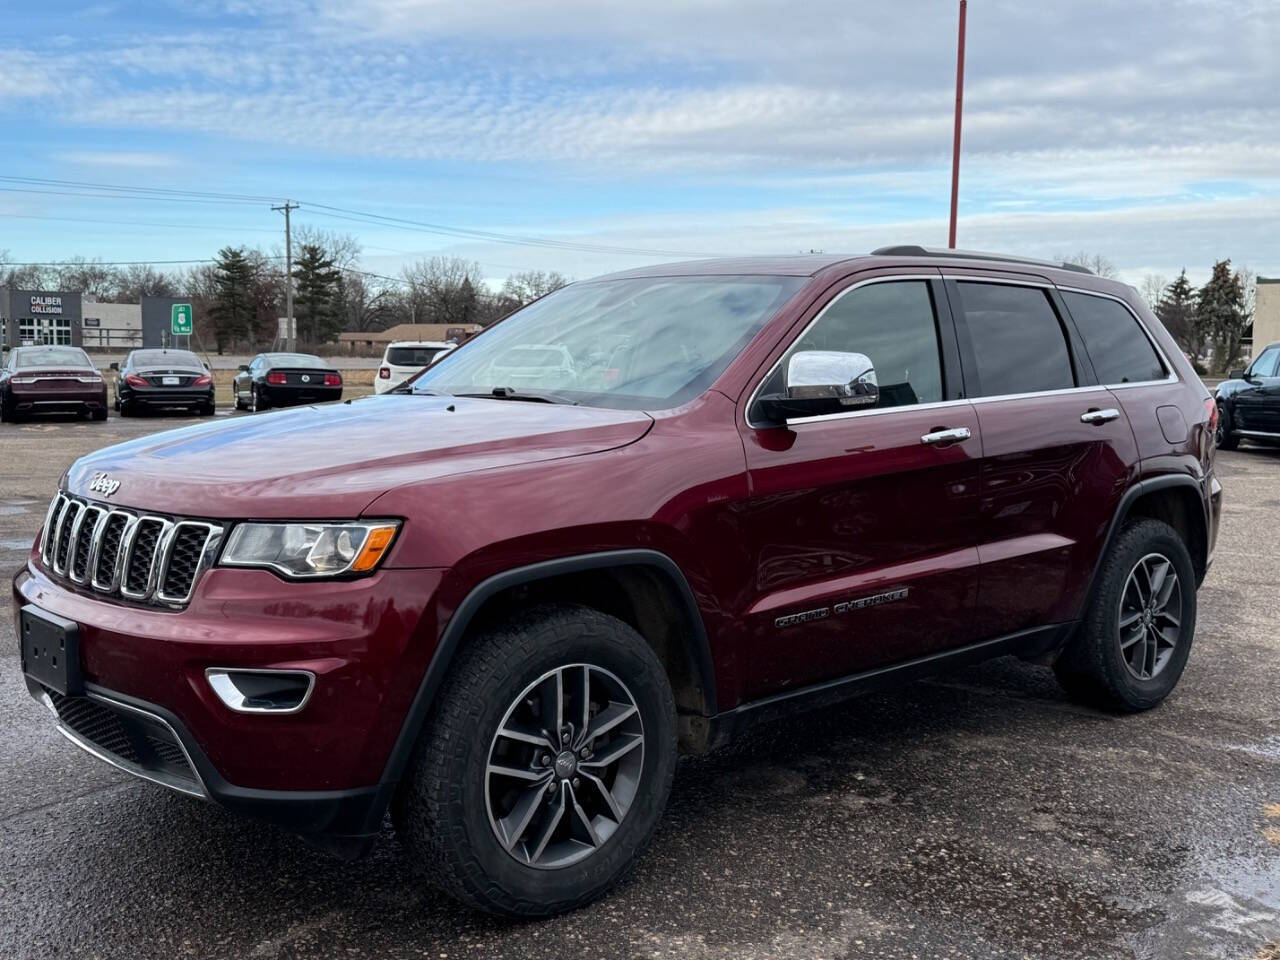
[(1120, 351), (893, 325), (1266, 364), (1018, 342)]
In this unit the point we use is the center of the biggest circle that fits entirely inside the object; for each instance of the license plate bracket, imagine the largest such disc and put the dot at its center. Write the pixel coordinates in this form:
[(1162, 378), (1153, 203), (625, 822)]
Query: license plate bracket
[(169, 381), (50, 650)]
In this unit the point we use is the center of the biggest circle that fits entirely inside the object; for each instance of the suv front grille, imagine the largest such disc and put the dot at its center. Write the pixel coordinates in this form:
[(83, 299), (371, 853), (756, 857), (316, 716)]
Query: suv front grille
[(141, 557)]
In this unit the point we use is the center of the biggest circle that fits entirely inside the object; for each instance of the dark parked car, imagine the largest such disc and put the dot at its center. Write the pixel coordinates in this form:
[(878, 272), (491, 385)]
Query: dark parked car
[(798, 479), (285, 379), (51, 379), (156, 379), (1249, 402)]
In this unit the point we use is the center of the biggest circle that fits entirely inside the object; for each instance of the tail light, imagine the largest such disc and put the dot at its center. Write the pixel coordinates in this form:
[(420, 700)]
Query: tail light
[(276, 378), (332, 380), (384, 373), (203, 380), (1211, 407), (134, 380)]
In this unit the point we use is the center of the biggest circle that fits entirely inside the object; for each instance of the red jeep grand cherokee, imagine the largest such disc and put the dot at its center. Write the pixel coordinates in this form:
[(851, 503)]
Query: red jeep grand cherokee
[(624, 522)]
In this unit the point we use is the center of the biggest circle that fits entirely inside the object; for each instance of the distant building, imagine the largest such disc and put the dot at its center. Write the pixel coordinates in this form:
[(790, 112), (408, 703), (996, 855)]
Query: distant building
[(1266, 313), (39, 316), (369, 340), (111, 325)]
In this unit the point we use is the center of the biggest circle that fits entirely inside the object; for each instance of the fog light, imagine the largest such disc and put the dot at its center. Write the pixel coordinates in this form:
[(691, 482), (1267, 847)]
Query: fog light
[(262, 691)]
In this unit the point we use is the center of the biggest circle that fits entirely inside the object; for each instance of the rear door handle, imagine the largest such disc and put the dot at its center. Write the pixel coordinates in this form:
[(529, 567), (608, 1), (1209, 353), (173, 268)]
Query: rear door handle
[(1100, 416), (946, 436)]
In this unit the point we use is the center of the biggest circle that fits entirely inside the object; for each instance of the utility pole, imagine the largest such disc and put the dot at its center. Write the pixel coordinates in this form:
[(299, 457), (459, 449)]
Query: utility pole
[(290, 344), (955, 146)]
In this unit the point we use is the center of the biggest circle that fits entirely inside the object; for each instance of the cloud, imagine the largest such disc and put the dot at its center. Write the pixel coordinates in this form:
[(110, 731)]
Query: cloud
[(135, 160)]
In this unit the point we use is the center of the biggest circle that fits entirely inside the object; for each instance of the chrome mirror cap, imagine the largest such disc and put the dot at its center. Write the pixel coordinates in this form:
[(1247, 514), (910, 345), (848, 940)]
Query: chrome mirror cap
[(848, 378)]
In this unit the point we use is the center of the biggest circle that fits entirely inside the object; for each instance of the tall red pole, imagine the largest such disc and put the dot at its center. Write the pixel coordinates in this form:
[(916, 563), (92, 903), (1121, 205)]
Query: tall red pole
[(955, 147)]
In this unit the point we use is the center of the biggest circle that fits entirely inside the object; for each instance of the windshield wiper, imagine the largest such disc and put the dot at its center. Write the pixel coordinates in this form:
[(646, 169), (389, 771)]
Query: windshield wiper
[(511, 393)]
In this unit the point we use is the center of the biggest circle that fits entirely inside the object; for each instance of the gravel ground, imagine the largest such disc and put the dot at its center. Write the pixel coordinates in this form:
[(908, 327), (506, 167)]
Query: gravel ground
[(975, 815)]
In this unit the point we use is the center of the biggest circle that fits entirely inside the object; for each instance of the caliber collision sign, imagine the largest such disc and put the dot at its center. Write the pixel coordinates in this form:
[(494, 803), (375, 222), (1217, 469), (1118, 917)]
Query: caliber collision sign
[(181, 320)]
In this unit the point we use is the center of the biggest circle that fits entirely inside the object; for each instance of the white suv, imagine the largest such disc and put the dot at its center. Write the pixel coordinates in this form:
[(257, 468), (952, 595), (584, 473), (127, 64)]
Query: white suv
[(404, 358)]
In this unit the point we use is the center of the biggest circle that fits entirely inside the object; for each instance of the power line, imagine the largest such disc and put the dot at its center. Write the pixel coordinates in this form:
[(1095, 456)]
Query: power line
[(159, 194), (108, 263)]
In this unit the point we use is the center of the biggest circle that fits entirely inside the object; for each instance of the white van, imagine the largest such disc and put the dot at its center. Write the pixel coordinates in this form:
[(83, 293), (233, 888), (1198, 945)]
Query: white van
[(404, 358)]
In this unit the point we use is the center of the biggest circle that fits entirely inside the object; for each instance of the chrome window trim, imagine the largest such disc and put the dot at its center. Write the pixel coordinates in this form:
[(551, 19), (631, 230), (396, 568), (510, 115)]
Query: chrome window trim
[(849, 414), (213, 539), (228, 699), (746, 412)]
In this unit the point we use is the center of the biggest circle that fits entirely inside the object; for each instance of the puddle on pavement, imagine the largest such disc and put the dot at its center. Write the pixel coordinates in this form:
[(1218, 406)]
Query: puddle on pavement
[(11, 509), (23, 545), (1234, 911), (1269, 748)]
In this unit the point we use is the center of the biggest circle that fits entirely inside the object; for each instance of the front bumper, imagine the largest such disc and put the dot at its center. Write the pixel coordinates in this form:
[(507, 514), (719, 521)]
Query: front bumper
[(318, 771)]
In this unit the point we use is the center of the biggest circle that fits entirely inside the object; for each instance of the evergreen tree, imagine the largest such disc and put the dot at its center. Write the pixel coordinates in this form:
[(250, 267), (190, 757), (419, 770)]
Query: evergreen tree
[(1220, 314), (318, 298), (1176, 309), (232, 307)]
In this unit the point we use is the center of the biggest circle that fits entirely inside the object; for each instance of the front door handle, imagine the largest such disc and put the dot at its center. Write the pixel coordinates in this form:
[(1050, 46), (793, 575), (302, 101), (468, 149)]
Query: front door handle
[(1100, 416), (946, 436)]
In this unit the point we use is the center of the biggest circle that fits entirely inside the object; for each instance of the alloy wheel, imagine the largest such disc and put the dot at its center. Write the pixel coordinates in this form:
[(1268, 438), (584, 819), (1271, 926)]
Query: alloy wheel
[(564, 767), (1150, 616)]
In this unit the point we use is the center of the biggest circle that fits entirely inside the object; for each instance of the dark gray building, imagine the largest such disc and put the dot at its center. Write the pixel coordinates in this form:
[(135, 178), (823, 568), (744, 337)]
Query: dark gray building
[(40, 316)]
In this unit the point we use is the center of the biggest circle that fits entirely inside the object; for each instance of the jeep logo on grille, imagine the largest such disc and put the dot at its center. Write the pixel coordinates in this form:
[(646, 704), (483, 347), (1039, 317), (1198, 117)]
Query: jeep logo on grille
[(103, 483)]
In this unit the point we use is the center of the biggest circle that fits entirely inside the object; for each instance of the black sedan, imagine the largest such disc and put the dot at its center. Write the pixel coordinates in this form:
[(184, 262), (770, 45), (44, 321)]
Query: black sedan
[(1249, 402), (156, 379), (284, 379)]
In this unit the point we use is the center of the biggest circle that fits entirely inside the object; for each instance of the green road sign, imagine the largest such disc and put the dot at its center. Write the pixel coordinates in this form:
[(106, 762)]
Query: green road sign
[(181, 320)]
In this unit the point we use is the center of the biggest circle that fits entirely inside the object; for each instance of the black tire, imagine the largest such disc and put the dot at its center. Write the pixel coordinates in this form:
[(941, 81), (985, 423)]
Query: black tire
[(127, 409), (6, 414), (1093, 667), (441, 811), (98, 413), (257, 403), (205, 410), (1224, 438)]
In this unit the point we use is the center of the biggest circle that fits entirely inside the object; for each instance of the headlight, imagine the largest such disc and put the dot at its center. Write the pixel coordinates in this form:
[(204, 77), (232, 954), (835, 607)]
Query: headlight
[(309, 550)]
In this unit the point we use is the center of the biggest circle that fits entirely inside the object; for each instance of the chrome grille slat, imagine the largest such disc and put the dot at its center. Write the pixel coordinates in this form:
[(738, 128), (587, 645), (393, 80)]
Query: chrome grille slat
[(140, 557)]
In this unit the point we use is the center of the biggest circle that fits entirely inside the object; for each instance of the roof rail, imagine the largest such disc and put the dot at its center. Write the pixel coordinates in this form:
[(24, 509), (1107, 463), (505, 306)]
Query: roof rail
[(912, 250)]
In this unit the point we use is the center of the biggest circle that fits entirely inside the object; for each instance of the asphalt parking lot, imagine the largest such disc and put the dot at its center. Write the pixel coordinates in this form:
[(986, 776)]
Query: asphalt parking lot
[(975, 815)]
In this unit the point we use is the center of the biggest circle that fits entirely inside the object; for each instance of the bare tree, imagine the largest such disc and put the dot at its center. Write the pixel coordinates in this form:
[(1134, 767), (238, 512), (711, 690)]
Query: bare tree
[(1093, 261), (1152, 289), (15, 277), (93, 279), (527, 287), (444, 289), (138, 281)]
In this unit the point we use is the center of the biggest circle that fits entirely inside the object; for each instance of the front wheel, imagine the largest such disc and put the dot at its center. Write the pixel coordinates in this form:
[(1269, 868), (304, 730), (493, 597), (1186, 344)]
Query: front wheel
[(1132, 646), (545, 766), (1224, 438)]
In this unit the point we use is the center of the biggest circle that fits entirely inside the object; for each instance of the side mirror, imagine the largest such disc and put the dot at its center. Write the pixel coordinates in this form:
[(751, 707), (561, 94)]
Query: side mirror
[(821, 382), (115, 366), (243, 368)]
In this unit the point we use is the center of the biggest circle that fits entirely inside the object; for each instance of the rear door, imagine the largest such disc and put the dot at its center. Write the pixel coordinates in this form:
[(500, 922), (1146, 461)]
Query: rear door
[(861, 532), (1257, 406), (1057, 449)]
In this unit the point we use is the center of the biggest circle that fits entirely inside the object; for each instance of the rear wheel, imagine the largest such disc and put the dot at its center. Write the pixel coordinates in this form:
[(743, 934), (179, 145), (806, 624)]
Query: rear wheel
[(7, 413), (545, 766), (257, 402), (98, 413), (205, 410), (1133, 644)]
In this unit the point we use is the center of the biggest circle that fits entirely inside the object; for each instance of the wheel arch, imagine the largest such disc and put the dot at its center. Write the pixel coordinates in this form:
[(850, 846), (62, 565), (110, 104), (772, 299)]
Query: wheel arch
[(1178, 500), (631, 575)]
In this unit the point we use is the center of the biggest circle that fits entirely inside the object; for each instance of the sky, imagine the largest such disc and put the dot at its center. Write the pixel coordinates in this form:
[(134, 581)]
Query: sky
[(1147, 132)]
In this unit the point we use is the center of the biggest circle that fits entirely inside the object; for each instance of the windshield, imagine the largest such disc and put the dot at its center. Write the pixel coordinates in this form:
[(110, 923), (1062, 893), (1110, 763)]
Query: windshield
[(644, 343), (172, 358), (294, 360), (53, 357)]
